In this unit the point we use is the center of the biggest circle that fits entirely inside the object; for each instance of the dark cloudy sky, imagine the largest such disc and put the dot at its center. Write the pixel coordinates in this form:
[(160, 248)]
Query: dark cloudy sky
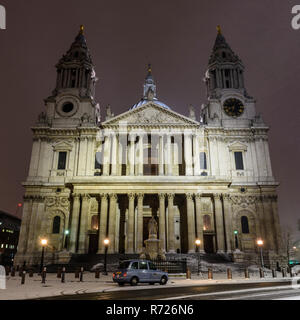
[(176, 36)]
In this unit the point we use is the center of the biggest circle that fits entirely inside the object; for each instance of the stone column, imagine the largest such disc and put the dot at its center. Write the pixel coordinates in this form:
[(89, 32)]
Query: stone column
[(32, 228), (260, 215), (196, 158), (169, 160), (130, 227), (103, 223), (114, 166), (141, 156), (199, 220), (82, 246), (106, 155), (171, 233), (277, 224), (131, 155), (22, 244), (162, 221), (140, 223), (161, 155), (219, 223), (188, 154), (228, 222), (268, 217), (190, 222), (112, 222), (74, 222)]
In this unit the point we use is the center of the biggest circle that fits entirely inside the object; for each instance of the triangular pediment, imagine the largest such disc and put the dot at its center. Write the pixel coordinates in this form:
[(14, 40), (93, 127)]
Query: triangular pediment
[(62, 146), (237, 146), (150, 114)]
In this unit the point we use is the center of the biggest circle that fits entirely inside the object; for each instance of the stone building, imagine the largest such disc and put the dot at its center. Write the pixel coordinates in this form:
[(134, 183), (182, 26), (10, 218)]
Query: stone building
[(90, 179)]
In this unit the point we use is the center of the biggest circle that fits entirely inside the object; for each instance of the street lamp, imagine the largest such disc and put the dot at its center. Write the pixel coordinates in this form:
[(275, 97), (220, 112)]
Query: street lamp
[(106, 243), (44, 242), (260, 243), (198, 242)]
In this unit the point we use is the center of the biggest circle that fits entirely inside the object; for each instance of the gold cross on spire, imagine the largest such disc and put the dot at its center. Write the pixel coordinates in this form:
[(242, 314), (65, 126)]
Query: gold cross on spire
[(149, 68), (219, 29), (81, 29)]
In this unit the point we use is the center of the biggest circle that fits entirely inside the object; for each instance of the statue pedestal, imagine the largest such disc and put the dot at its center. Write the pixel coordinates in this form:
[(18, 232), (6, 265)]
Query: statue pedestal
[(153, 249)]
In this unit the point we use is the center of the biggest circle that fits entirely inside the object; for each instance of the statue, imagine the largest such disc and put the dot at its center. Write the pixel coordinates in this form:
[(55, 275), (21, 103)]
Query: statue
[(192, 114), (152, 228)]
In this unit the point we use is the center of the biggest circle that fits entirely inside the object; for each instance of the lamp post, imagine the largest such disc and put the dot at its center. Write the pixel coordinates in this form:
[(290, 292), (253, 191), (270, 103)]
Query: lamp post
[(198, 242), (106, 243), (260, 243), (44, 242)]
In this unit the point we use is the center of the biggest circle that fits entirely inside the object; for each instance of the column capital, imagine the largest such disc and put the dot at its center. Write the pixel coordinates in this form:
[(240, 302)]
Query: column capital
[(131, 196), (217, 196), (85, 196), (113, 196), (103, 196), (189, 195), (140, 196), (226, 197), (198, 196), (76, 196), (171, 196), (161, 196)]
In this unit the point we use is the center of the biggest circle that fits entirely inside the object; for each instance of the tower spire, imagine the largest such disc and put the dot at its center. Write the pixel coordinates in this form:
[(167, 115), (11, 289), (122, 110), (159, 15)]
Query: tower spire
[(225, 69), (75, 70)]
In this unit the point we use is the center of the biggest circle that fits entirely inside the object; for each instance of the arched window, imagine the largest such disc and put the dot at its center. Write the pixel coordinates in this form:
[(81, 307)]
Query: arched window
[(203, 162), (56, 225), (94, 223), (245, 224), (206, 222)]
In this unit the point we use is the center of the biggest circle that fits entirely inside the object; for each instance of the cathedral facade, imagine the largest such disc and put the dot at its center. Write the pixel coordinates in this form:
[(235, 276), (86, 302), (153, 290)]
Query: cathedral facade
[(208, 178)]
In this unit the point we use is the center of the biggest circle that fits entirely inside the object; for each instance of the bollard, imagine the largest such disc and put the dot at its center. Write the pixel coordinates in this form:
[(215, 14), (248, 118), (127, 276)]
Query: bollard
[(247, 273), (188, 274), (81, 274), (59, 273), (7, 271), (274, 275), (283, 272), (44, 272), (63, 275), (13, 272), (261, 273), (17, 268), (291, 272), (23, 277), (30, 273), (76, 273), (20, 272), (97, 274), (229, 274), (210, 274)]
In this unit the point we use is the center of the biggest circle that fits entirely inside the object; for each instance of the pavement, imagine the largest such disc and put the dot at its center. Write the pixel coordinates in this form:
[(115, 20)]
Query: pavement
[(34, 289)]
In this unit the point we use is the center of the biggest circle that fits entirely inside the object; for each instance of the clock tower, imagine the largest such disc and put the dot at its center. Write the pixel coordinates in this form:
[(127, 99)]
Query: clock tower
[(229, 104)]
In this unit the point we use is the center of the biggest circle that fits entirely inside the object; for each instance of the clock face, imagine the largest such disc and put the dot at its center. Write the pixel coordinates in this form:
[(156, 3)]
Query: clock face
[(233, 107)]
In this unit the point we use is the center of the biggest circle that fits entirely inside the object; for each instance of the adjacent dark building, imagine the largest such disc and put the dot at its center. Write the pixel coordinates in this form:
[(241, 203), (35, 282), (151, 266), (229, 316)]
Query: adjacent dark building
[(9, 236)]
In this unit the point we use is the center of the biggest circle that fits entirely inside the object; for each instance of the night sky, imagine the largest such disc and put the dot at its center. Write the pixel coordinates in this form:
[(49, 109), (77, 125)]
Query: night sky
[(177, 37)]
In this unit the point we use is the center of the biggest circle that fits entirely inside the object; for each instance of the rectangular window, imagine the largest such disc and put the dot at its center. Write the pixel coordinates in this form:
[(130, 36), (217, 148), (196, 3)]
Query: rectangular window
[(62, 160), (203, 163), (98, 160), (239, 165)]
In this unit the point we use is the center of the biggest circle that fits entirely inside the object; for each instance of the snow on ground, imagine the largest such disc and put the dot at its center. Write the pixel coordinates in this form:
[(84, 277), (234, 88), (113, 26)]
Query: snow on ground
[(33, 288)]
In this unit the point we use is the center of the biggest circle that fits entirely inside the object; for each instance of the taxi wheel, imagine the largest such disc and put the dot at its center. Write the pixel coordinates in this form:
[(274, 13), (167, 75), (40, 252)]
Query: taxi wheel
[(134, 281), (163, 280), (121, 284)]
